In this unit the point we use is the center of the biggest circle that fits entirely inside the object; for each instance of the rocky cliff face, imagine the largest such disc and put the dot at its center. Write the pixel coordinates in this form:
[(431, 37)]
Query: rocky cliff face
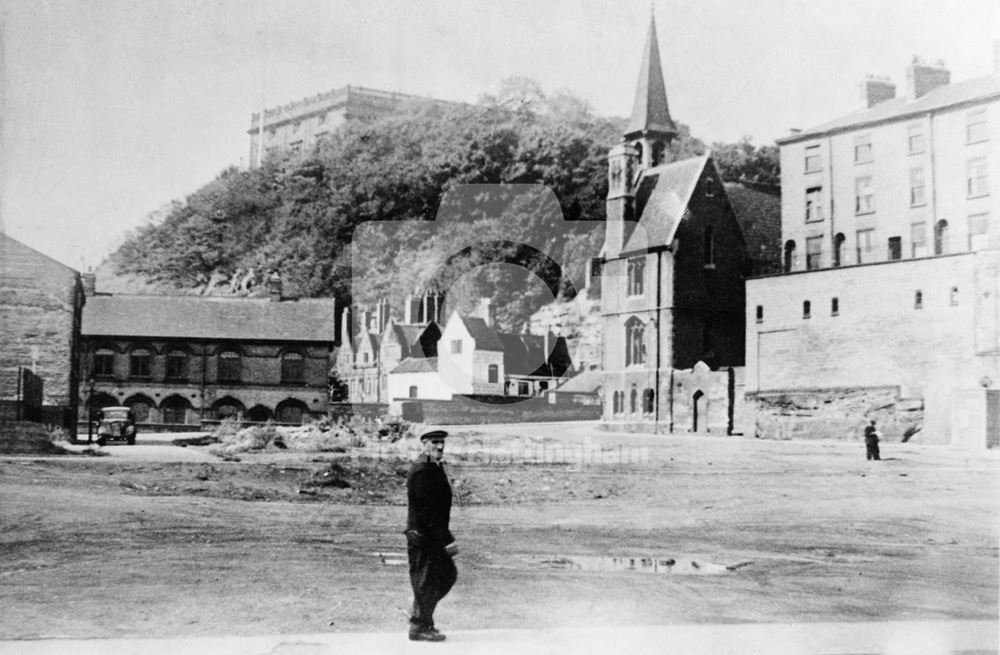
[(579, 321)]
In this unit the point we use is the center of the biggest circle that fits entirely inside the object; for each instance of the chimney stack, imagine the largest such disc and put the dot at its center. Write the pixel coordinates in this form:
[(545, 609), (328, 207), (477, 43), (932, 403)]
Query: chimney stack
[(274, 287), (89, 280), (923, 77), (487, 311), (345, 327), (875, 90)]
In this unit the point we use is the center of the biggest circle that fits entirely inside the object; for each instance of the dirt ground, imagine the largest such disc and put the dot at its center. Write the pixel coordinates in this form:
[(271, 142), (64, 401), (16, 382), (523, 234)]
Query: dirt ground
[(158, 545)]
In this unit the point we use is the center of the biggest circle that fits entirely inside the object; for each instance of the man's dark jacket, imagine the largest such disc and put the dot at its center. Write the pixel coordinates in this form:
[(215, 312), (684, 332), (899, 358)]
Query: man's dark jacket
[(429, 504)]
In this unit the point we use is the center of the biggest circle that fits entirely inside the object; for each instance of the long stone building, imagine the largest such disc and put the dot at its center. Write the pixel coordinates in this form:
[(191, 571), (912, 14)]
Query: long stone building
[(888, 307)]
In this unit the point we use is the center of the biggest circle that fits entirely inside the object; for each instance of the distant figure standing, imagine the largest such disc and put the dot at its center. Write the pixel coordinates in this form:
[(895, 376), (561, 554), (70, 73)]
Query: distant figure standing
[(871, 441), (430, 545)]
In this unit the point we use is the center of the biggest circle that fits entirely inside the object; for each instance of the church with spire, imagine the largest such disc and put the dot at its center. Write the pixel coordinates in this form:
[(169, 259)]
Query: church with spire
[(672, 277)]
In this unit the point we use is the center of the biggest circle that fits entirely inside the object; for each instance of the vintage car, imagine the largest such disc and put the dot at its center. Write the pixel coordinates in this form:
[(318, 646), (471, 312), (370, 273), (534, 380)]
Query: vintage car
[(116, 423)]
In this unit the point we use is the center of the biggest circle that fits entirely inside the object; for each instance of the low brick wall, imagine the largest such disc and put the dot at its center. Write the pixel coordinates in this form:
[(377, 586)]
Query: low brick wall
[(463, 410)]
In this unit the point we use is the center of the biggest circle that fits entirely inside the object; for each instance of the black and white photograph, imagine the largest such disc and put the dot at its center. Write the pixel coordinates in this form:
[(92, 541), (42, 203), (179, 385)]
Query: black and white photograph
[(525, 326)]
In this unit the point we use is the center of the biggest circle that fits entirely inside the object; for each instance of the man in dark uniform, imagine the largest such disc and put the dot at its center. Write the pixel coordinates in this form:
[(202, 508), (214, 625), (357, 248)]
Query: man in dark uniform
[(430, 544), (871, 441)]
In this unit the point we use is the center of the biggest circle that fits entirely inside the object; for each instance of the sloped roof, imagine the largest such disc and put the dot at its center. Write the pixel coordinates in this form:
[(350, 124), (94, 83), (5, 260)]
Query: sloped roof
[(201, 317), (942, 97), (15, 256), (588, 381), (650, 112), (661, 202), (417, 365), (485, 336), (758, 212)]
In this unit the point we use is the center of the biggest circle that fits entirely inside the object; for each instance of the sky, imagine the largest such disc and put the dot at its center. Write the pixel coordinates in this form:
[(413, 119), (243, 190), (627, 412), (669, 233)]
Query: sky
[(112, 109)]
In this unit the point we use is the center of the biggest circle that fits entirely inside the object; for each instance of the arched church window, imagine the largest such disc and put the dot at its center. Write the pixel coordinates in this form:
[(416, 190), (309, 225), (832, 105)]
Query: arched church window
[(635, 342)]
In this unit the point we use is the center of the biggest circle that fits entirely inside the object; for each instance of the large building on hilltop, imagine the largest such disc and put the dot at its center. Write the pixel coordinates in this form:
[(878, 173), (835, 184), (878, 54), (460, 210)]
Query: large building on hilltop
[(297, 126), (671, 277), (888, 305)]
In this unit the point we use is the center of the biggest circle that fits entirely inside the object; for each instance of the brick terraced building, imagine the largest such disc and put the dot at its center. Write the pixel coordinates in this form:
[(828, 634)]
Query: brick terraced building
[(182, 359)]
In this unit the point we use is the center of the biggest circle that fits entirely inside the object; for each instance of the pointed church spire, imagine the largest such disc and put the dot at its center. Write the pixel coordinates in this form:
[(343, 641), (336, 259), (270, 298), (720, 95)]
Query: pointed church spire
[(650, 113)]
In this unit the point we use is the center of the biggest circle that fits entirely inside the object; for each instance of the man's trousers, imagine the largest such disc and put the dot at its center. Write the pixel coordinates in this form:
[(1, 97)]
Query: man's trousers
[(432, 574)]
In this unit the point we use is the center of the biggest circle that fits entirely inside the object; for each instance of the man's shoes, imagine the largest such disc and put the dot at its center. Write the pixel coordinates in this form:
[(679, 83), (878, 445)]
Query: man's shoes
[(420, 633)]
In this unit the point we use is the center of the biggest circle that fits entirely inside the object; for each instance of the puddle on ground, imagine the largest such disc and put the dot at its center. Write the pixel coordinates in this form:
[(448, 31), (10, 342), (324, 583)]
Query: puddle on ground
[(653, 565)]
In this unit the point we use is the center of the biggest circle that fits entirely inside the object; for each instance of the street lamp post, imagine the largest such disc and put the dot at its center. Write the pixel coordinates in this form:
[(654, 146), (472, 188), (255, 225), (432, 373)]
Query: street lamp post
[(90, 410)]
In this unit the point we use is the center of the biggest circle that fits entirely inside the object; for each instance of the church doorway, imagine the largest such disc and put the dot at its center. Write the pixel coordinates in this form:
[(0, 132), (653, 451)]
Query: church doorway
[(698, 416)]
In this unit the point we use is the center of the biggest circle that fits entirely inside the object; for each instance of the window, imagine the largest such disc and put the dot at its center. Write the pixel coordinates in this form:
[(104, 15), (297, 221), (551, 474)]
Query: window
[(140, 363), (838, 248), (365, 356), (760, 313), (789, 264), (835, 307), (413, 391), (866, 246), (806, 309), (915, 139), (636, 275), (104, 363), (293, 368), (953, 297), (941, 237), (864, 195), (616, 399), (814, 204), (917, 188), (918, 299), (709, 247), (918, 240), (176, 365), (863, 149), (895, 248), (814, 253), (977, 182), (813, 163), (229, 366), (635, 342), (522, 389), (456, 346), (492, 373), (975, 126), (979, 236), (632, 400), (648, 400), (656, 152)]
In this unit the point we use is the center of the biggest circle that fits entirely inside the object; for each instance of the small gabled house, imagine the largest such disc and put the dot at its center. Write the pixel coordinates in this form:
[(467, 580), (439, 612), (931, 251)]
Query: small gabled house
[(471, 356), (533, 363)]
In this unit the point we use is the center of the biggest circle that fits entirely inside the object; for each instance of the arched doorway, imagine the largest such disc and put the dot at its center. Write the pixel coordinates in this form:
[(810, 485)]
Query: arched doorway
[(698, 415), (292, 411), (140, 406), (259, 414), (174, 410), (227, 407)]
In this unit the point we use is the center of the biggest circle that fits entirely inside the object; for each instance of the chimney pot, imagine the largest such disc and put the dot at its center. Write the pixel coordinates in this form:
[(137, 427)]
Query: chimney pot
[(875, 90), (922, 78)]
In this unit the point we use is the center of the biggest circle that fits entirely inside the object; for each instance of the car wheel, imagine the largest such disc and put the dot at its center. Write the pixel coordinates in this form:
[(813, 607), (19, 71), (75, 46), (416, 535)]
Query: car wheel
[(102, 441)]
